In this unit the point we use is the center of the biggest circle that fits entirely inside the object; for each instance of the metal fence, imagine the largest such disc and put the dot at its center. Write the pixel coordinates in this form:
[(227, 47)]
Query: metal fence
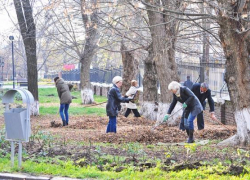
[(184, 68), (95, 74)]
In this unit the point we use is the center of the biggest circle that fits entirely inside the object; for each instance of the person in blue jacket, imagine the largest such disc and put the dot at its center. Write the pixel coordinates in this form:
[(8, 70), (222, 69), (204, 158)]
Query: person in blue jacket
[(203, 92), (113, 104), (188, 83), (191, 105)]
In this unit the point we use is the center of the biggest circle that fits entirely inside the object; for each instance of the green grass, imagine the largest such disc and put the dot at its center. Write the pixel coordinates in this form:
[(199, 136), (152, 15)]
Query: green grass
[(67, 169), (49, 95), (53, 98), (74, 110)]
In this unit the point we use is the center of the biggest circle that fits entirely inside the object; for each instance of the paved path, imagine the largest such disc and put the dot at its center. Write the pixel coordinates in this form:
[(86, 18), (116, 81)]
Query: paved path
[(9, 176)]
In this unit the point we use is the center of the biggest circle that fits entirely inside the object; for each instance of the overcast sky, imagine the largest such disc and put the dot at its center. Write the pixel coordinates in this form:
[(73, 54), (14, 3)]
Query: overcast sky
[(7, 28)]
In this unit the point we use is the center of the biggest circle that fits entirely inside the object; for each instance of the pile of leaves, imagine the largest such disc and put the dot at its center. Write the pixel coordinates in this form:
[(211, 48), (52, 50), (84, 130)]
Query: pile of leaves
[(131, 129)]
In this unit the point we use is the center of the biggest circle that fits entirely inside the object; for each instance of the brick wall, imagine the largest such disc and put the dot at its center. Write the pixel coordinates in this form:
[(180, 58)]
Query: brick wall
[(223, 112)]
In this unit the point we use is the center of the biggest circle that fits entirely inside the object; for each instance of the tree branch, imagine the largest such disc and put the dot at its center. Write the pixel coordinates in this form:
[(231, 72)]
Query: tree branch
[(240, 5), (177, 12)]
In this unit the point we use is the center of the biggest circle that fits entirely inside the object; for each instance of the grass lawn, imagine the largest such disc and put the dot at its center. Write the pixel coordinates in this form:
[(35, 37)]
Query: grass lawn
[(49, 96), (56, 167), (74, 110)]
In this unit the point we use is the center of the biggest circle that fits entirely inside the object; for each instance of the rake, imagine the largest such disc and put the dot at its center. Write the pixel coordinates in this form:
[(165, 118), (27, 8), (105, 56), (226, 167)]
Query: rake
[(164, 122), (222, 124)]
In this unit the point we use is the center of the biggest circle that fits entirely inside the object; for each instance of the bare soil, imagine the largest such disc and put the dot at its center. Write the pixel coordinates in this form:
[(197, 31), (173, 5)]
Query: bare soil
[(85, 128)]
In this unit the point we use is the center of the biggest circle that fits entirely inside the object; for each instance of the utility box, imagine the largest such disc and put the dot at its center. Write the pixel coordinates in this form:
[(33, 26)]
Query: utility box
[(17, 121), (15, 124)]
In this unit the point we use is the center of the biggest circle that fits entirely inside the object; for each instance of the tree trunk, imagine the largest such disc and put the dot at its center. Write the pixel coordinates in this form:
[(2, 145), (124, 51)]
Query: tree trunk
[(149, 107), (28, 31), (204, 62), (130, 68), (237, 52), (86, 91), (164, 40), (92, 36)]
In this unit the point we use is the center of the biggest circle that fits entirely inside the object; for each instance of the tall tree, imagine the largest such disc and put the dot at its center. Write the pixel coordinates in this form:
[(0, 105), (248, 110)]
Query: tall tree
[(233, 19), (163, 30), (28, 32), (90, 18), (150, 90)]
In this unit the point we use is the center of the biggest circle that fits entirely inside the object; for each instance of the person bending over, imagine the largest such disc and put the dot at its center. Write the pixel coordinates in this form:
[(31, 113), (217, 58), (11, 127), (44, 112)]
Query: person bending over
[(65, 99), (191, 105), (203, 92)]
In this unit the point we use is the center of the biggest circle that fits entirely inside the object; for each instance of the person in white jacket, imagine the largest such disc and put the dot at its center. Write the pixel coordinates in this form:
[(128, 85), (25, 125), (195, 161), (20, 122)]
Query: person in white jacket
[(131, 105)]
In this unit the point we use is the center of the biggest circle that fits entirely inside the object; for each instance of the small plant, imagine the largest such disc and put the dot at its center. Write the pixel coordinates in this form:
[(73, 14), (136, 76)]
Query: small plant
[(241, 153), (191, 148), (168, 154), (42, 137), (133, 148), (2, 135)]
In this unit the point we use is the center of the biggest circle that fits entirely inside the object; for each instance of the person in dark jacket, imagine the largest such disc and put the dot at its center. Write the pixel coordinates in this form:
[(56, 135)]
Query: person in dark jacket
[(203, 92), (188, 83), (113, 104), (65, 99), (191, 104)]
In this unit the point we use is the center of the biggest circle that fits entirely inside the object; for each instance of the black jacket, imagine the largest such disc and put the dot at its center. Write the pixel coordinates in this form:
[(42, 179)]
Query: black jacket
[(187, 96), (202, 97), (114, 100)]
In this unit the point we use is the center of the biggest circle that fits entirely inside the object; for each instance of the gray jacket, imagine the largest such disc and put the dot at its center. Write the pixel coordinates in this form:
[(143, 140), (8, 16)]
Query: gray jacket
[(63, 92)]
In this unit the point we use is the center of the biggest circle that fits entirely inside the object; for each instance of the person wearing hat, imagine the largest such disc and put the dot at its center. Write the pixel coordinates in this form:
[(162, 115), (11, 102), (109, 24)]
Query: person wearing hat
[(113, 104), (188, 83), (202, 92), (191, 105)]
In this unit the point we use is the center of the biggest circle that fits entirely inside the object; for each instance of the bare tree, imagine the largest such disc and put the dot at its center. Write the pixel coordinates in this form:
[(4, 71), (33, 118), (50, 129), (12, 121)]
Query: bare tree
[(28, 31), (234, 22), (163, 30), (92, 36)]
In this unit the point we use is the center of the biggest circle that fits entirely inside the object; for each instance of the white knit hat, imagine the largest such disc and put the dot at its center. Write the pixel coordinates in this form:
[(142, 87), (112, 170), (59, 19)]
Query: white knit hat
[(116, 79)]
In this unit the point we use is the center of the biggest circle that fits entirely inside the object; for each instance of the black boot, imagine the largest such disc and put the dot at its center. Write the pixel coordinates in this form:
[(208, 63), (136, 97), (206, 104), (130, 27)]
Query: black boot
[(191, 136), (64, 123), (187, 130), (67, 123)]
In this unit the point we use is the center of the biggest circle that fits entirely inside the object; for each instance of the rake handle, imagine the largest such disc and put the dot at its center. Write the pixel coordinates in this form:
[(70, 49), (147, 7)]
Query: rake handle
[(169, 117)]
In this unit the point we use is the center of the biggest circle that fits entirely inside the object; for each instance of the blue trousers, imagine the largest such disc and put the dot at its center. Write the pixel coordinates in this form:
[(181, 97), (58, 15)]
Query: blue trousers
[(189, 122), (111, 125), (64, 112)]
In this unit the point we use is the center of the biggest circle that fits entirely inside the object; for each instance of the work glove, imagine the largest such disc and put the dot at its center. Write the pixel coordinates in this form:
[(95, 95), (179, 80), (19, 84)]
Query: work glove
[(165, 118), (184, 105)]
